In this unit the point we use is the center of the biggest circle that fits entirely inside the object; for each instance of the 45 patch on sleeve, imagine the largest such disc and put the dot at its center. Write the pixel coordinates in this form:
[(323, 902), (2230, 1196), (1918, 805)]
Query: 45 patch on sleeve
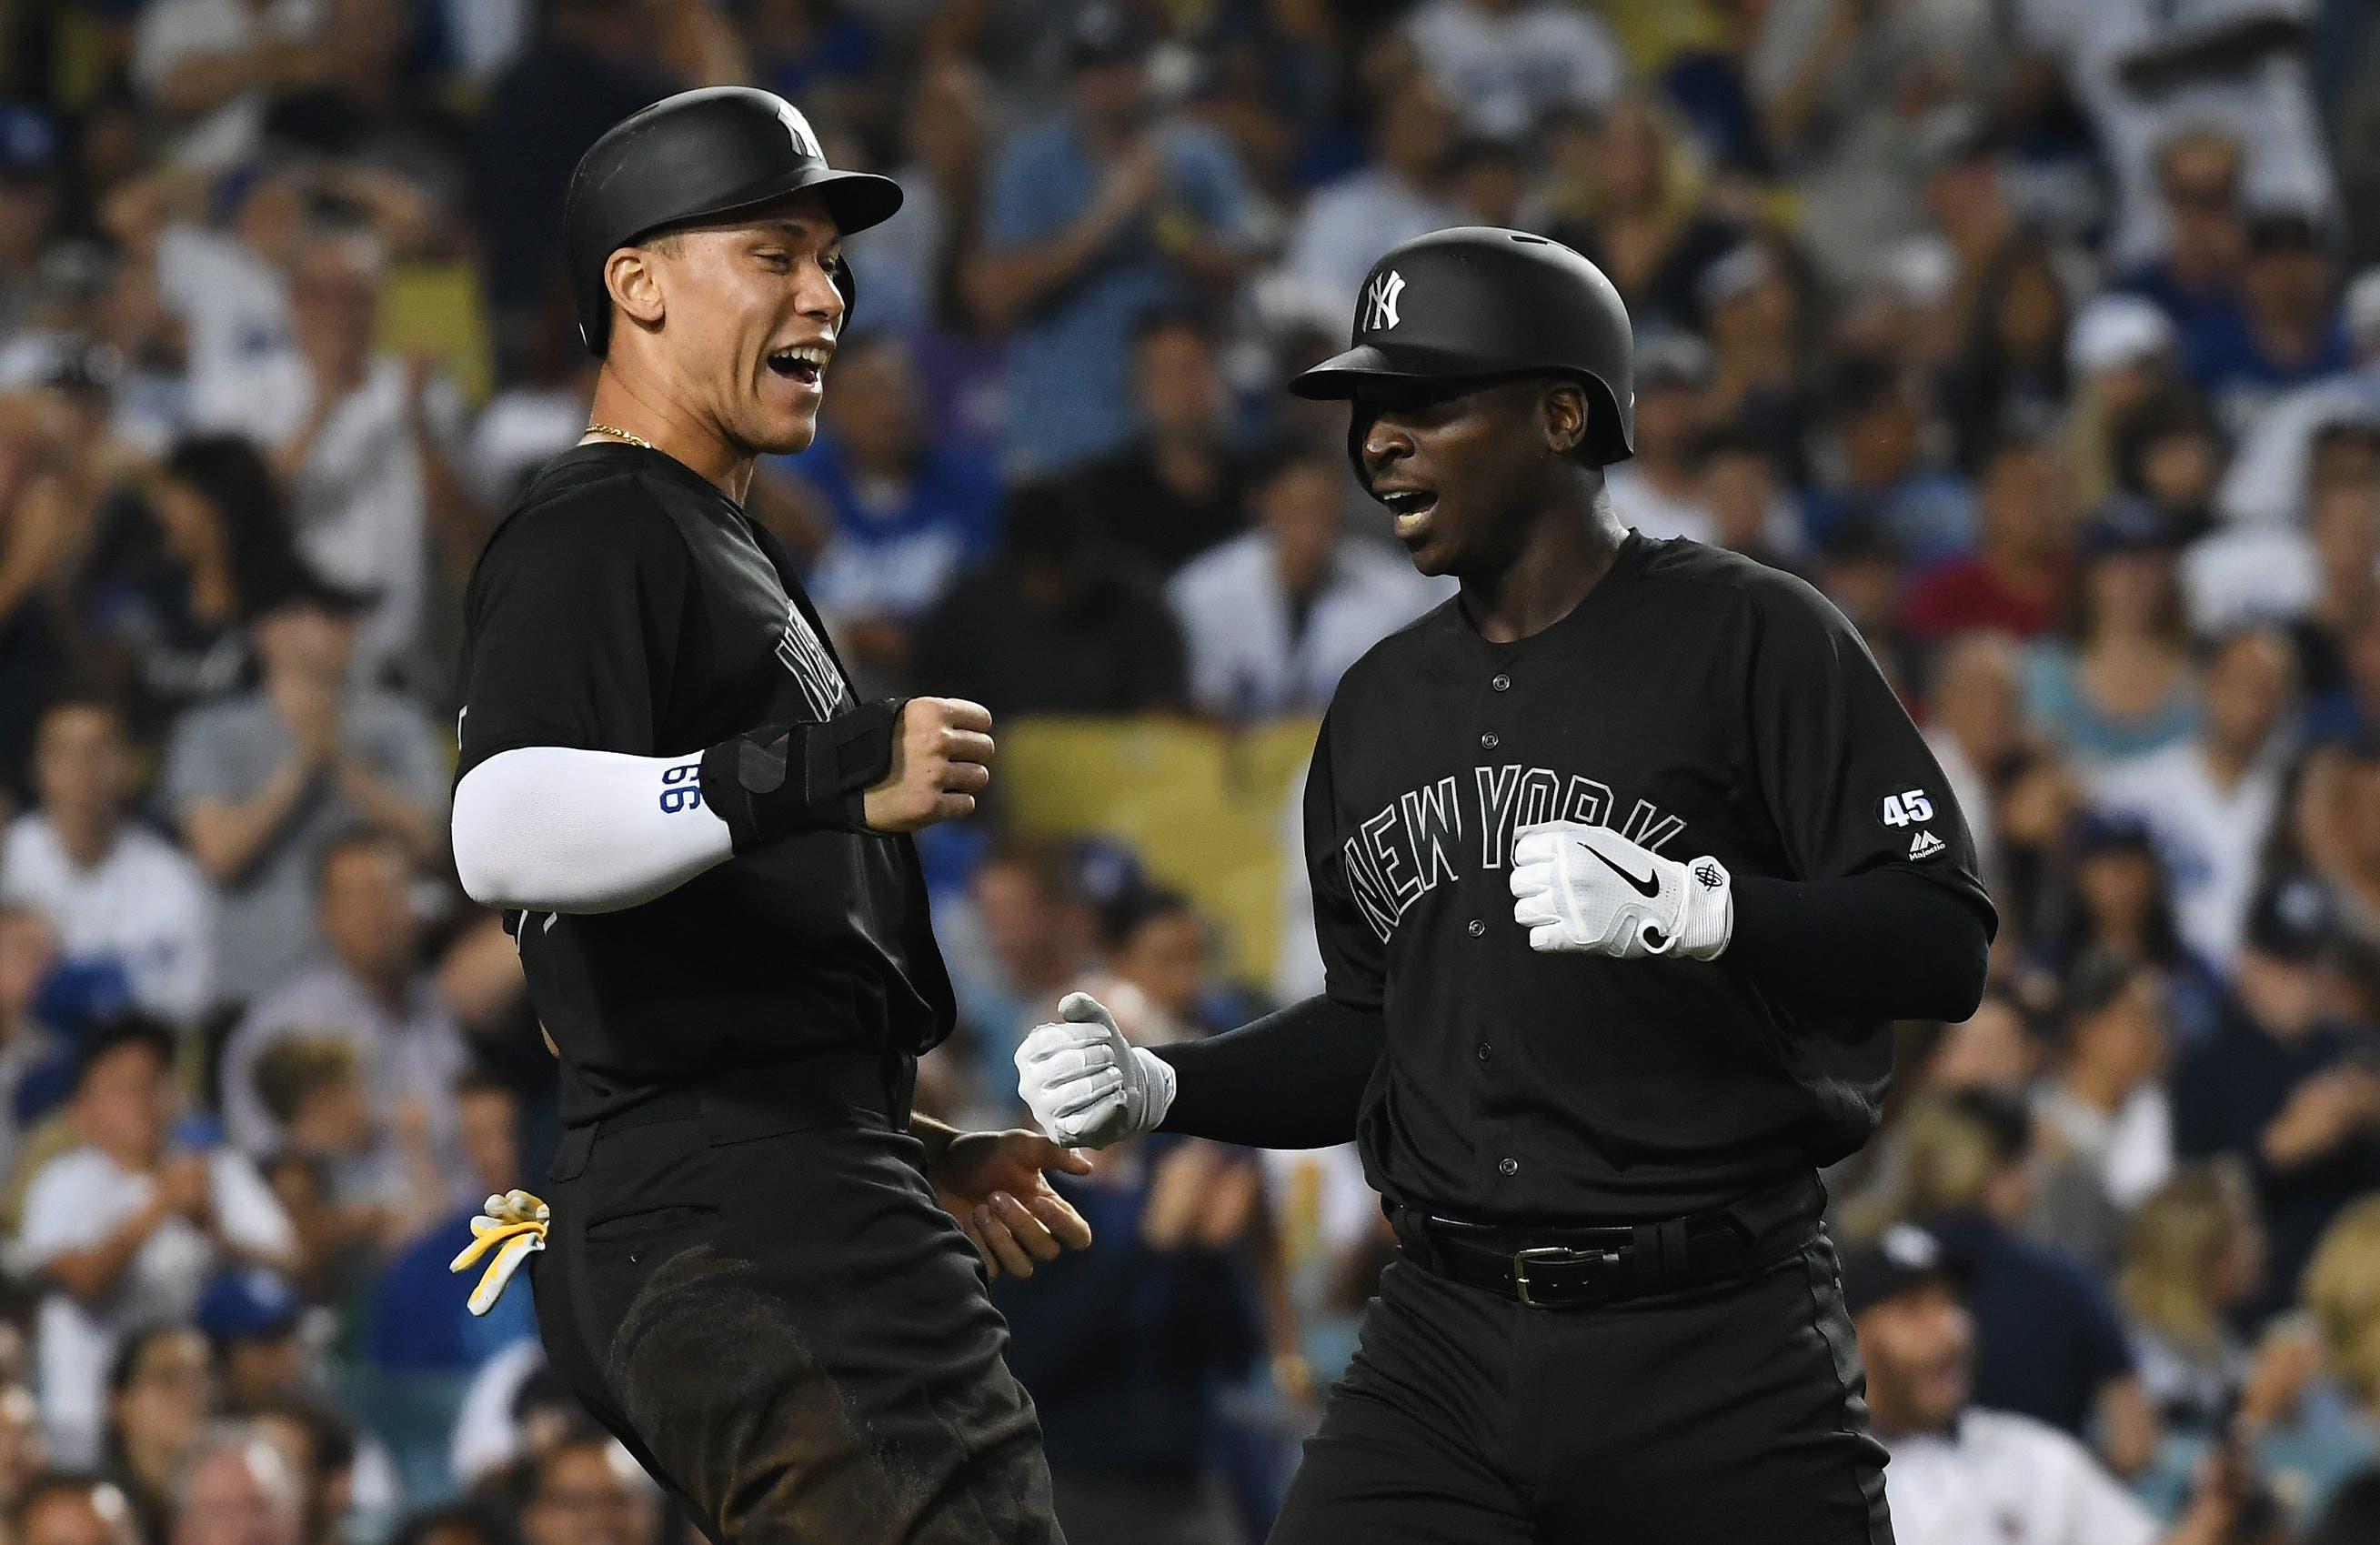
[(1909, 808)]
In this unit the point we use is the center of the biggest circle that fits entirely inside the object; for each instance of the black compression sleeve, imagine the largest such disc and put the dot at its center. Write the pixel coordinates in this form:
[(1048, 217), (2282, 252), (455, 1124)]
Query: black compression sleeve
[(1291, 1079), (1885, 943)]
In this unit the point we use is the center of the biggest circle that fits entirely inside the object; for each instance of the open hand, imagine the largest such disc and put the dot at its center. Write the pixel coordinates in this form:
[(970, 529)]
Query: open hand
[(992, 1182)]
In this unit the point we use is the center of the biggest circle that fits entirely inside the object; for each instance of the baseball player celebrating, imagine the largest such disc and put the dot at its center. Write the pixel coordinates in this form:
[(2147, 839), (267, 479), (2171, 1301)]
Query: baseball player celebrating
[(698, 836), (1623, 859)]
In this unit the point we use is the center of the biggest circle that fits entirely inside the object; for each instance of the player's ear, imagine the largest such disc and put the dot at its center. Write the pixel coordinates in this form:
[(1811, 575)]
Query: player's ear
[(633, 277), (1564, 407)]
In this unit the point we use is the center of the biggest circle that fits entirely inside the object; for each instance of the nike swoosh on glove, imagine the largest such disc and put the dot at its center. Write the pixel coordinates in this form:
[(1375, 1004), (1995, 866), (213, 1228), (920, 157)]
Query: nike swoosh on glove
[(1086, 1086), (1587, 890)]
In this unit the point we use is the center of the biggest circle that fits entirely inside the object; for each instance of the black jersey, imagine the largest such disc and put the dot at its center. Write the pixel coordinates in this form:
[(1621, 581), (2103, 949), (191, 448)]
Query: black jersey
[(1699, 703), (626, 604)]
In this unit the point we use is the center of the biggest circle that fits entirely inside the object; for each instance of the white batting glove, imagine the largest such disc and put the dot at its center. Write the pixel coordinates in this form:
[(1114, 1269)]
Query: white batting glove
[(1086, 1086), (1588, 890)]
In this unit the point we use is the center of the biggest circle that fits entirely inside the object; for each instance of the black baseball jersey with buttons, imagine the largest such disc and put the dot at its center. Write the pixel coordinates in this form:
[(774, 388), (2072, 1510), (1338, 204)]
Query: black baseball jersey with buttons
[(1700, 704), (626, 604)]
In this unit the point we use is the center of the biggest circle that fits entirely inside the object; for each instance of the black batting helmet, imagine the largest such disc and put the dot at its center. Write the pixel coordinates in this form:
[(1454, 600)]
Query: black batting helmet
[(695, 156), (1478, 302)]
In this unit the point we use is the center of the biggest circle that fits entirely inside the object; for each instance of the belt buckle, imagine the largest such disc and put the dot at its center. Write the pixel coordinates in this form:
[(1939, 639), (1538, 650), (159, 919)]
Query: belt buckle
[(1551, 1255)]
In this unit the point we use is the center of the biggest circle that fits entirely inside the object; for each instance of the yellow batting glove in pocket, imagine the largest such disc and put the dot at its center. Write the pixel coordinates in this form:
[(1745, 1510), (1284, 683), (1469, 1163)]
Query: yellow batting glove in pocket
[(513, 1225)]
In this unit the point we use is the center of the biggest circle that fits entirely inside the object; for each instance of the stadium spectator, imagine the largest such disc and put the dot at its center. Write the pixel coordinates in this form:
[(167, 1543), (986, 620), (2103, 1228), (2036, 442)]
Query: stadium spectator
[(2211, 799), (2017, 578), (2286, 333), (1180, 486), (1058, 623), (2194, 1257), (2280, 1082), (373, 997), (1096, 216), (115, 891), (1037, 933), (210, 68), (236, 1488), (2010, 376), (1878, 483), (127, 1227), (2193, 274), (67, 1507), (254, 1321), (265, 782), (908, 511), (2120, 682), (1506, 64), (2121, 352), (1659, 490), (1758, 318), (2105, 1102), (1960, 1468), (29, 209), (587, 1491), (1273, 618), (161, 1395), (1397, 194), (1647, 223)]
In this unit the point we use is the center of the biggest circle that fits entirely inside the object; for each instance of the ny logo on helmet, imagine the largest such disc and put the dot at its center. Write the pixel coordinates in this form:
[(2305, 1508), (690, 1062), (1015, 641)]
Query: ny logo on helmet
[(1381, 301), (797, 129)]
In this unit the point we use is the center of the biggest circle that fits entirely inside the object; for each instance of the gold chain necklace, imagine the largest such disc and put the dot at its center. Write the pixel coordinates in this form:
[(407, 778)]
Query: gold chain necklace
[(620, 434)]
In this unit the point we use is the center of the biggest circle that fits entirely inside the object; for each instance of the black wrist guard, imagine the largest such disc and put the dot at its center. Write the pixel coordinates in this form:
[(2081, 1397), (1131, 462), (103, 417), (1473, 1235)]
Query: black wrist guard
[(787, 778)]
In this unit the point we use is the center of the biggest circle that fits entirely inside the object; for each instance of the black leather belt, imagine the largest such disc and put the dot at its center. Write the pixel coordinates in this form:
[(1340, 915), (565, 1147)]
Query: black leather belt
[(823, 1089), (1577, 1265)]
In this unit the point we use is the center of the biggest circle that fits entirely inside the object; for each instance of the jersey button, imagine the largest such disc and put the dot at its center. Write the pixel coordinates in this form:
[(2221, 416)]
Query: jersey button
[(1508, 1166), (1489, 741), (1501, 681), (1478, 928), (1483, 1051)]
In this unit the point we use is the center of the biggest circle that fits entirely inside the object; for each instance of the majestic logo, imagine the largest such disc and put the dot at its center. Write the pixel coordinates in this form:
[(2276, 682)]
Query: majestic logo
[(800, 651), (1381, 301), (797, 129), (1925, 845)]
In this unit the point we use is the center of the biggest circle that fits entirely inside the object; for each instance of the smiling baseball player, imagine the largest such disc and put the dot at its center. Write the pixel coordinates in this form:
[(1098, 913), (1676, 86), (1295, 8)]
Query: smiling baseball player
[(1624, 860)]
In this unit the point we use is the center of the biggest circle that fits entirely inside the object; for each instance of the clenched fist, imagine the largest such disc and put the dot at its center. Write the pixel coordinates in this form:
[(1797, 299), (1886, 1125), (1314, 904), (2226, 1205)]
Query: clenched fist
[(942, 760)]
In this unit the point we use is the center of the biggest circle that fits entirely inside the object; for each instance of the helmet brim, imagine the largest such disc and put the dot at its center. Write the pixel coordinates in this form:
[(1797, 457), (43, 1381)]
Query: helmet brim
[(854, 200), (1347, 375)]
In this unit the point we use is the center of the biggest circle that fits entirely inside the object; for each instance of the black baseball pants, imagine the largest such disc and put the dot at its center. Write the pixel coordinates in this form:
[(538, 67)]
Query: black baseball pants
[(1730, 1412), (769, 1309)]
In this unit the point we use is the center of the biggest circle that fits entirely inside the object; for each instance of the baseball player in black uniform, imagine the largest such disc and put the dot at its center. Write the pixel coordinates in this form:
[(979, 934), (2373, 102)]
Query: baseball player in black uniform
[(698, 835), (1622, 861)]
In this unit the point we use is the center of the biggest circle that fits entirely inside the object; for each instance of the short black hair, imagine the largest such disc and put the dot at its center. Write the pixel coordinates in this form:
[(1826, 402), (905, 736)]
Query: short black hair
[(349, 839), (2003, 1119), (1862, 383), (127, 1361), (1175, 317), (130, 1027)]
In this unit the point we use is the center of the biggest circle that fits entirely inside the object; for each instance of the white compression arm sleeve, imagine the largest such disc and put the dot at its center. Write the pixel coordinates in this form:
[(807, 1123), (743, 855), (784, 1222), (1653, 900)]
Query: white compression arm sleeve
[(549, 828)]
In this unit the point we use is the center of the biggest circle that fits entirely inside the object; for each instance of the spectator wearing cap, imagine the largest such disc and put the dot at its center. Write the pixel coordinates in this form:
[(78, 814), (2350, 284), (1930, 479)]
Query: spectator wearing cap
[(908, 510), (1878, 479), (2018, 578), (2210, 799), (2286, 334), (127, 1228), (1271, 619), (2285, 1082), (254, 1319), (2119, 680), (1097, 216), (262, 783), (1343, 227), (1960, 1473), (2268, 482), (375, 997), (1506, 65), (1179, 487), (112, 889), (29, 209), (1659, 490), (72, 1507), (2121, 351), (1964, 1166)]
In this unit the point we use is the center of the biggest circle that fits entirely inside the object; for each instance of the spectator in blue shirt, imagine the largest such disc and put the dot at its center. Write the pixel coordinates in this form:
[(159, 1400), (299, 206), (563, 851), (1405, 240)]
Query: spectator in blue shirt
[(1098, 216), (418, 1322), (2287, 332), (2195, 279), (1882, 482), (907, 510), (2285, 1083)]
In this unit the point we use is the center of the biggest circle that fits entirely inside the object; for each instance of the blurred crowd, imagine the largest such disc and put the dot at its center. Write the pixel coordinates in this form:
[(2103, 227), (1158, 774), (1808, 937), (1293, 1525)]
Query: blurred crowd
[(2042, 335)]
